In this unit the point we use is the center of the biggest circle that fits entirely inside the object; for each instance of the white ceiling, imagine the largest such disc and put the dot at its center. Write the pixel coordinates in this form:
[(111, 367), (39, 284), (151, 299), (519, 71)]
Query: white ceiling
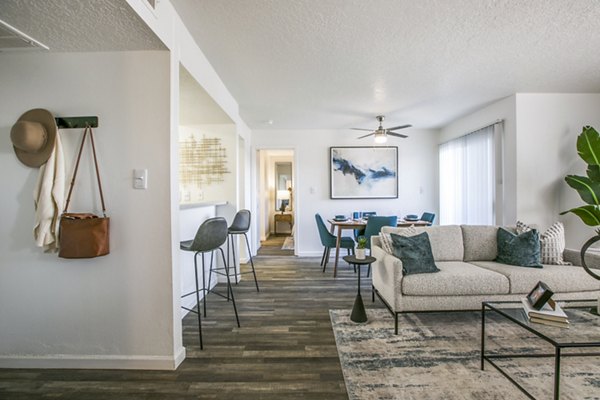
[(338, 63), (80, 25)]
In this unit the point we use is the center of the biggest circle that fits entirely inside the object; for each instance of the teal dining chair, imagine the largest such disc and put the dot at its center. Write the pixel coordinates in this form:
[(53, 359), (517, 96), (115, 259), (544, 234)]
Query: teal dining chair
[(428, 217), (373, 228), (328, 241), (365, 215)]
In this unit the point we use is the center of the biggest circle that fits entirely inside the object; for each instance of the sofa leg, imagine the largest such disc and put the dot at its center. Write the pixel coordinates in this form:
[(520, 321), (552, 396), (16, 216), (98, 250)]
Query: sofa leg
[(373, 293), (396, 323)]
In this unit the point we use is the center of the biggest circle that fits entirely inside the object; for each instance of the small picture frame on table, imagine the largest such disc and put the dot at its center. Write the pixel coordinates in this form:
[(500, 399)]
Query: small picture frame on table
[(539, 295)]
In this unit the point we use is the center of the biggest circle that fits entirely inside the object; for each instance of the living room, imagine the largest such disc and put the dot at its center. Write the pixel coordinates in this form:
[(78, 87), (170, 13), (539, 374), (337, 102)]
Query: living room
[(315, 70)]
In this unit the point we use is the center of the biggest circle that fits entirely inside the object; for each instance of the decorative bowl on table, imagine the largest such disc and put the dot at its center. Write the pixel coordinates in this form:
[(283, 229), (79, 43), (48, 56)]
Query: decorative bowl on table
[(340, 218), (411, 217)]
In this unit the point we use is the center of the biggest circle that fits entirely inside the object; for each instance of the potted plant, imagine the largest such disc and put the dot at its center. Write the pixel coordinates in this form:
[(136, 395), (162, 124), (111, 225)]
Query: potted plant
[(361, 245), (588, 187)]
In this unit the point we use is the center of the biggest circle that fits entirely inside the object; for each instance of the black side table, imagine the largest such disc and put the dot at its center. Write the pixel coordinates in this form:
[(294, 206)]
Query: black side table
[(358, 311)]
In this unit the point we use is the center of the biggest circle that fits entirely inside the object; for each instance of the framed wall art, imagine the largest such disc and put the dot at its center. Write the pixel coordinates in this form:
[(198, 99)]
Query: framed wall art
[(363, 172)]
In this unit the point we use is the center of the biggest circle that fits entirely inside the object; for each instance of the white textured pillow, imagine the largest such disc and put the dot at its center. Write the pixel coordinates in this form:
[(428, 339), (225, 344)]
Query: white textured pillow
[(386, 239), (552, 243)]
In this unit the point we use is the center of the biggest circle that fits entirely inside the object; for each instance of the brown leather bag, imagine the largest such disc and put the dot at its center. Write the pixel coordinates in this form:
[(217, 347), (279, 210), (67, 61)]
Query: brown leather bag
[(84, 235)]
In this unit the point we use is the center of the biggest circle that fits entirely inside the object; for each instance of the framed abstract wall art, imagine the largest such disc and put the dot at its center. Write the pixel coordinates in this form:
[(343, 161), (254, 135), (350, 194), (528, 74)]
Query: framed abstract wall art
[(363, 172)]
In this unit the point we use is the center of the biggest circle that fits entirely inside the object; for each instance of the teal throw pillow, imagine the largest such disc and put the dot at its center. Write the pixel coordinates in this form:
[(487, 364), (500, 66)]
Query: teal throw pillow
[(415, 253), (522, 250)]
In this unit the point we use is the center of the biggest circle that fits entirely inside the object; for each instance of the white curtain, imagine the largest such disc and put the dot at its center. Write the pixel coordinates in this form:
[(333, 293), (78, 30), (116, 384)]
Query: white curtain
[(467, 179)]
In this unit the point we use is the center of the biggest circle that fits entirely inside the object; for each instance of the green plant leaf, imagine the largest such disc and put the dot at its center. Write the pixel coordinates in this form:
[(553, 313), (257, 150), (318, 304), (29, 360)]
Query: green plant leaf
[(587, 188), (590, 215), (593, 172), (588, 145)]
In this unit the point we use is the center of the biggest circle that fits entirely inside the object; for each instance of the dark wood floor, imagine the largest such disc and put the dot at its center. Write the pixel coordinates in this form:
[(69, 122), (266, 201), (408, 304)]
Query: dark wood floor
[(285, 348), (272, 246)]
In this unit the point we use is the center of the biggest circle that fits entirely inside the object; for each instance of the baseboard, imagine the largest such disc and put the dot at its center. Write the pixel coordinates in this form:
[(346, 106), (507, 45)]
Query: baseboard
[(179, 357), (76, 361), (312, 253)]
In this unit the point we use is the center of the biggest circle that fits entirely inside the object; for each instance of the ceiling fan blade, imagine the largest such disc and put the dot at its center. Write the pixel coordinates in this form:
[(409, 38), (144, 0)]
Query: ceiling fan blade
[(397, 134), (362, 129), (399, 127), (362, 137)]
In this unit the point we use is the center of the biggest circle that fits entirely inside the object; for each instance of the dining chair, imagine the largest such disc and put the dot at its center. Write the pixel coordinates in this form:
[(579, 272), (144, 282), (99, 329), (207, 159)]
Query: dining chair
[(373, 228), (428, 217), (365, 215), (328, 241)]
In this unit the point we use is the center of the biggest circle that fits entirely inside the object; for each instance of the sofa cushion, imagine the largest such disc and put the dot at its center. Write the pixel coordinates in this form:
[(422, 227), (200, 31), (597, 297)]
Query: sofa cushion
[(480, 242), (521, 250), (560, 278), (552, 242), (455, 278), (446, 240), (415, 253), (386, 240)]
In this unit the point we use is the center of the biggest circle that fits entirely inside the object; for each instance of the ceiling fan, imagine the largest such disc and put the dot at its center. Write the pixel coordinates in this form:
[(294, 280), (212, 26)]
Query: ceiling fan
[(381, 133)]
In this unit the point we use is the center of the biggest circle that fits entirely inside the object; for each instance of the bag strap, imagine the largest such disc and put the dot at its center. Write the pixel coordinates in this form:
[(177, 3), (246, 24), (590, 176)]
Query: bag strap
[(85, 132)]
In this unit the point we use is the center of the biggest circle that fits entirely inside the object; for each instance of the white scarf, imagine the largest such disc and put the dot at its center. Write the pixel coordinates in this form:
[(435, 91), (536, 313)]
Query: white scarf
[(49, 199)]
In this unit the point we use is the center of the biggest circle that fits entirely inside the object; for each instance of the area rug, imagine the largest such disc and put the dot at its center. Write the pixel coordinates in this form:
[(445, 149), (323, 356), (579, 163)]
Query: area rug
[(436, 356), (288, 243)]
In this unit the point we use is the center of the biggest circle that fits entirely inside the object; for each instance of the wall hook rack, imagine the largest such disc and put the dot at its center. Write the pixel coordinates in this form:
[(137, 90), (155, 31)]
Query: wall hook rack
[(76, 122)]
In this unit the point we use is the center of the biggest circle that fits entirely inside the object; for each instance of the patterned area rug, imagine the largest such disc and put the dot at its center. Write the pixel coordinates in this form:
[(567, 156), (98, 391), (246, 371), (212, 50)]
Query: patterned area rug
[(436, 356), (288, 244)]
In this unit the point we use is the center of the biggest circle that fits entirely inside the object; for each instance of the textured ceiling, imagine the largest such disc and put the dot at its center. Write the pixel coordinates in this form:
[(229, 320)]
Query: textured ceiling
[(80, 25), (338, 63)]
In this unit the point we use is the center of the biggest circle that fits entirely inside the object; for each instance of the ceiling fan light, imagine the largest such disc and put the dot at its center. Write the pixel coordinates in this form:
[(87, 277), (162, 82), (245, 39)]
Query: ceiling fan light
[(380, 137)]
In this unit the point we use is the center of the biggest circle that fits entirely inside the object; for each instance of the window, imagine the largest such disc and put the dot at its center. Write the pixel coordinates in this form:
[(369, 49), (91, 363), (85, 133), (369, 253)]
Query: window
[(467, 179)]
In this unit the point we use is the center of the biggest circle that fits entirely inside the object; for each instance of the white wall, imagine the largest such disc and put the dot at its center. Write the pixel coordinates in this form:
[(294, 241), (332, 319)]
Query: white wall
[(506, 189), (417, 158), (168, 26), (114, 311), (217, 191), (547, 130)]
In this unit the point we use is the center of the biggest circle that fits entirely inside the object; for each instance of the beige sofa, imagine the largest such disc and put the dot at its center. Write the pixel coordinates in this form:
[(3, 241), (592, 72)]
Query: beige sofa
[(469, 275)]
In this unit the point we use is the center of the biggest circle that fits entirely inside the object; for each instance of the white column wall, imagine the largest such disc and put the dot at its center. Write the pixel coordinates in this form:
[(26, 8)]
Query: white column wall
[(108, 312), (547, 130)]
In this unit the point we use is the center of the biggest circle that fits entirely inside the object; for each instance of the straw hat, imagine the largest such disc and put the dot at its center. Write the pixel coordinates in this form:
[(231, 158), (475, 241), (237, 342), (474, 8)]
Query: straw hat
[(33, 137)]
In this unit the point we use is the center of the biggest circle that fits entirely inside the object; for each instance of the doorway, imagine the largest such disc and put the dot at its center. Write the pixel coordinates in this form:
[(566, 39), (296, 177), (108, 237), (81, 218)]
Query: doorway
[(276, 206)]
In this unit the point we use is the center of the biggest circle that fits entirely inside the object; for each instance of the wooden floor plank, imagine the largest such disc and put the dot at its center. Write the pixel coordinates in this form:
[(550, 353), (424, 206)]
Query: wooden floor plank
[(284, 350)]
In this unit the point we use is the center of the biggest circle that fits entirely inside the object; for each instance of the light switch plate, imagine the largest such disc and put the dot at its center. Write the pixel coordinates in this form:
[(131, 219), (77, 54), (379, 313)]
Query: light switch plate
[(140, 179)]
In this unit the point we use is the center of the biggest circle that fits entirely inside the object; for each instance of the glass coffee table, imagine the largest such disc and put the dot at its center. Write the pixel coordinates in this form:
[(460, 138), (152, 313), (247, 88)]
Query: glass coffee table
[(583, 333)]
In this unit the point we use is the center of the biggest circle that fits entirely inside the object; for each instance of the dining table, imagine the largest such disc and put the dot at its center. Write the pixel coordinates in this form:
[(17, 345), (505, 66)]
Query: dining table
[(359, 224)]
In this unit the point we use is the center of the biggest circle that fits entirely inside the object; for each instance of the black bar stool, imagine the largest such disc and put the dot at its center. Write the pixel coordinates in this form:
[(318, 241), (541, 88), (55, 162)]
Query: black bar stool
[(240, 226), (211, 235)]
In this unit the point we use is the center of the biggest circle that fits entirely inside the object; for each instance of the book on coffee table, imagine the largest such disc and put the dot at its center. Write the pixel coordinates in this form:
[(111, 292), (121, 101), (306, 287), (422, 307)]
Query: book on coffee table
[(550, 314), (550, 322)]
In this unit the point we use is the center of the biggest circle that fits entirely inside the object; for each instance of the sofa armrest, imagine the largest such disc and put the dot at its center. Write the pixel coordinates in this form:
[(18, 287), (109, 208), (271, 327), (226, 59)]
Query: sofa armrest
[(592, 259), (387, 276)]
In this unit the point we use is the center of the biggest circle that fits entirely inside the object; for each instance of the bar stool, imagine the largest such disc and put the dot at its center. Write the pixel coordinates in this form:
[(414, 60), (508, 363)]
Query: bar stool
[(211, 235), (241, 226)]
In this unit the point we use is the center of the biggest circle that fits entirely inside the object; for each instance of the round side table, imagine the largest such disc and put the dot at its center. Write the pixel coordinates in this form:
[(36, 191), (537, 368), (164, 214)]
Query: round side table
[(358, 311)]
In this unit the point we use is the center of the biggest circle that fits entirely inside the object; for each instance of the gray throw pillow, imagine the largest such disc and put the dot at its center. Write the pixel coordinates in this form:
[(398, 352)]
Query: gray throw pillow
[(415, 253), (522, 250)]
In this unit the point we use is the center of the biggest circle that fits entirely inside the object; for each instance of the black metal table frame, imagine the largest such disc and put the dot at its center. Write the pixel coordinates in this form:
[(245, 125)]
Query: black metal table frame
[(557, 347)]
